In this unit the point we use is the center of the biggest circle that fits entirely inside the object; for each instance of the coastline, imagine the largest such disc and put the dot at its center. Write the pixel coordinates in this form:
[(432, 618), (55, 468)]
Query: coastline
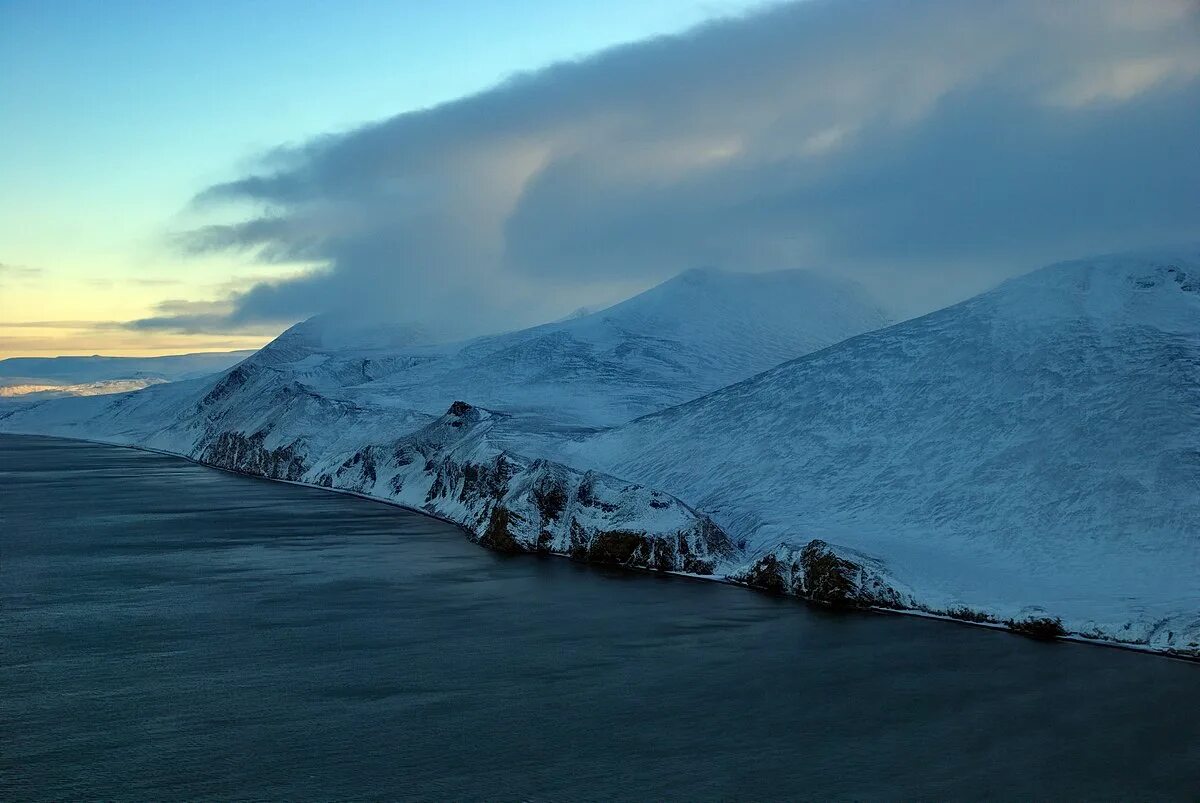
[(476, 538)]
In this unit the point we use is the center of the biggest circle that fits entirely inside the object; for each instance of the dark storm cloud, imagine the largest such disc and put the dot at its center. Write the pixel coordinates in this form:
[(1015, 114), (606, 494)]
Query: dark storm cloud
[(927, 148)]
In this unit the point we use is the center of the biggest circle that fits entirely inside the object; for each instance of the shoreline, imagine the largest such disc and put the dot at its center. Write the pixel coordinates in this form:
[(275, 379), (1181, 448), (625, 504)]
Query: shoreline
[(725, 580)]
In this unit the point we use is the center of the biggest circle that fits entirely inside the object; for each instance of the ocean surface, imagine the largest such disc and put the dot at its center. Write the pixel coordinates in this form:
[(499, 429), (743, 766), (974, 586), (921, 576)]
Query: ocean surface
[(169, 631)]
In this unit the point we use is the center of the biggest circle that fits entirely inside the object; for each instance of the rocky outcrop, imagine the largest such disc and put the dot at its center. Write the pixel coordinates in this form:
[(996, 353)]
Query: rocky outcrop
[(824, 573), (247, 454), (228, 385), (505, 501), (1045, 628)]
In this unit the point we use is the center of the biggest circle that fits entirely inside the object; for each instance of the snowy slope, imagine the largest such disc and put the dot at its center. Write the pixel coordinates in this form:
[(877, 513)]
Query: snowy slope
[(326, 400), (450, 468), (685, 337), (690, 335), (1038, 445), (1031, 453), (447, 466)]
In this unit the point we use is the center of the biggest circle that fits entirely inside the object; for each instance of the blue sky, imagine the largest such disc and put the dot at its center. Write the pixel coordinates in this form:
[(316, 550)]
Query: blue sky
[(115, 113), (197, 175)]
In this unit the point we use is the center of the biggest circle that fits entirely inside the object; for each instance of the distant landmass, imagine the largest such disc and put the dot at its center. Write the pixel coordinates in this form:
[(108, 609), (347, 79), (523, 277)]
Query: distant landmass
[(33, 378)]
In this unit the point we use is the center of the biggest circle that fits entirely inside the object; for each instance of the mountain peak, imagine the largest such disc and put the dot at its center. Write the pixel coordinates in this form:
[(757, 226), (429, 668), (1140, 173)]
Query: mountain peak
[(1038, 442), (770, 294), (1157, 289), (698, 275)]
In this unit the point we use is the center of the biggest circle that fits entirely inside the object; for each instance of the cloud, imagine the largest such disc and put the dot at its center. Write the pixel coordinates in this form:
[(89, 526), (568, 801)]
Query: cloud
[(199, 317), (927, 148), (19, 273), (155, 282), (108, 282), (62, 324), (180, 335)]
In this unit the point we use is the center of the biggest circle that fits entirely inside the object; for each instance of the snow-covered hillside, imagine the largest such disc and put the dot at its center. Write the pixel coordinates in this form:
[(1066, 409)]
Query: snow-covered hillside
[(1028, 456), (1036, 446), (692, 334), (695, 333), (687, 336), (363, 409)]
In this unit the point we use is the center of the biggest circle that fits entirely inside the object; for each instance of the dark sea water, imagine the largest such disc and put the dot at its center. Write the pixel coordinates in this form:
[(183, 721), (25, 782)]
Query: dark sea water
[(170, 631)]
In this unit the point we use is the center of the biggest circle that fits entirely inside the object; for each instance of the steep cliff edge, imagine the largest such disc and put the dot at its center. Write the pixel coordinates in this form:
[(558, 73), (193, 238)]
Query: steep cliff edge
[(503, 500)]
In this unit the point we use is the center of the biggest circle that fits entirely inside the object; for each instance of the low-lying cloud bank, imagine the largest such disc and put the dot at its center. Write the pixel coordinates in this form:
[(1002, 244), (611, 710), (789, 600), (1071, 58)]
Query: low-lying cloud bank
[(927, 148)]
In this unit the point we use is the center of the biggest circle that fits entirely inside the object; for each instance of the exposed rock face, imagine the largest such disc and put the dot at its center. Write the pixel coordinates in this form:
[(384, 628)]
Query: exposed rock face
[(822, 572), (965, 614), (505, 501), (228, 385), (238, 452), (1046, 628), (514, 504), (497, 535)]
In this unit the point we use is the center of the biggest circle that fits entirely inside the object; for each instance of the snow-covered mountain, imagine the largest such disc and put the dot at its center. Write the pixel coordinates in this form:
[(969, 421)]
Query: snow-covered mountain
[(687, 336), (695, 333), (692, 334), (1038, 445), (365, 409), (1029, 456)]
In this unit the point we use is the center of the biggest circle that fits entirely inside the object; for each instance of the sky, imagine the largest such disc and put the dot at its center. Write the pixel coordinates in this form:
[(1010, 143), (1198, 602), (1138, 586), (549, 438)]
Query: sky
[(115, 114), (195, 176)]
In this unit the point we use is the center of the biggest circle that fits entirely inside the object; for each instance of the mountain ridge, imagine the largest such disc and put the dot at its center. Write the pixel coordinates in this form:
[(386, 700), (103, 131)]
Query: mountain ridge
[(1026, 457), (1025, 439)]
